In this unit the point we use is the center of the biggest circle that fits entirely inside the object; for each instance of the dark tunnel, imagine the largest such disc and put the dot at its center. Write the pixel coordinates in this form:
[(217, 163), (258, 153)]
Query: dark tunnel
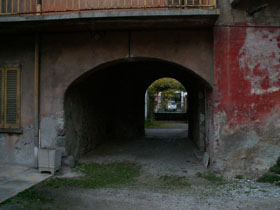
[(108, 103)]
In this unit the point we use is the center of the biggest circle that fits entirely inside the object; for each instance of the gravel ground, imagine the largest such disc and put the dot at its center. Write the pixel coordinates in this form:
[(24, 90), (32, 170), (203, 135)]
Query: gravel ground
[(164, 151), (145, 198), (200, 197)]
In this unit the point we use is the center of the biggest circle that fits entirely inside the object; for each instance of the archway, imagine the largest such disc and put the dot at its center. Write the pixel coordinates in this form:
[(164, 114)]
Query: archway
[(166, 99), (108, 102)]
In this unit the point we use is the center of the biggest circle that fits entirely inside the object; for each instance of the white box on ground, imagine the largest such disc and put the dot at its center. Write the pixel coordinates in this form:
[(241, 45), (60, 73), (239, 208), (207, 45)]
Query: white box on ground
[(49, 160)]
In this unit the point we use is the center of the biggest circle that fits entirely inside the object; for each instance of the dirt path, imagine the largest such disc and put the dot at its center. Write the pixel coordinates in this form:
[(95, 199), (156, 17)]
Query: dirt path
[(164, 153)]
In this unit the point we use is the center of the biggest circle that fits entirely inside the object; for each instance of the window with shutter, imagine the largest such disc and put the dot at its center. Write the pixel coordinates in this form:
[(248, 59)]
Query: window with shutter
[(10, 98)]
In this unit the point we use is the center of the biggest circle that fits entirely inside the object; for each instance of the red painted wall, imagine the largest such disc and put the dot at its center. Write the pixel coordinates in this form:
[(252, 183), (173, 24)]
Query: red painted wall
[(246, 100), (247, 73)]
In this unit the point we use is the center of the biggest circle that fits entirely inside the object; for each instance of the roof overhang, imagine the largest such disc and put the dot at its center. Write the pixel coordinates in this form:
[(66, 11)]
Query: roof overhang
[(111, 20)]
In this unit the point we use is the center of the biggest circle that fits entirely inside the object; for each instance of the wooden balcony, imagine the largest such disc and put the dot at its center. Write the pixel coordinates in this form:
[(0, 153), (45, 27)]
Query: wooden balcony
[(43, 7), (80, 15)]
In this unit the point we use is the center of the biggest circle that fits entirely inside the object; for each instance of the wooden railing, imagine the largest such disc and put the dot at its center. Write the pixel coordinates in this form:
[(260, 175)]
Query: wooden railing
[(17, 6), (12, 7)]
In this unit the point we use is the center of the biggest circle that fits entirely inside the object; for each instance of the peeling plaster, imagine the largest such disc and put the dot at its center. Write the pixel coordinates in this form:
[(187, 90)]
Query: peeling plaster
[(247, 108), (260, 59), (220, 121), (248, 149)]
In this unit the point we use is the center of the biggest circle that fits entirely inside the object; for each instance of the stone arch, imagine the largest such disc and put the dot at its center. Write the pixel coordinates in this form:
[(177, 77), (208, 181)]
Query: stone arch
[(107, 64), (91, 103)]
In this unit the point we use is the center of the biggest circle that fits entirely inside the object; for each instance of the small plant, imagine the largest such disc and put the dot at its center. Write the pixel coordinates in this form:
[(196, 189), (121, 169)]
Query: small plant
[(239, 177), (209, 176), (175, 181), (99, 175), (270, 178), (276, 168), (273, 176)]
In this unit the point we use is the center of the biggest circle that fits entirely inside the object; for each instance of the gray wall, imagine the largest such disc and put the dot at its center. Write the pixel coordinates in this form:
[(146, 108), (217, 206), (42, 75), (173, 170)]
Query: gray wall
[(18, 148)]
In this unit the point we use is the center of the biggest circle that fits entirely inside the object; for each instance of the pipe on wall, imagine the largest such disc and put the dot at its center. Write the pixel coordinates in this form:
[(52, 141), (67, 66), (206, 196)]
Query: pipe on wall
[(36, 98)]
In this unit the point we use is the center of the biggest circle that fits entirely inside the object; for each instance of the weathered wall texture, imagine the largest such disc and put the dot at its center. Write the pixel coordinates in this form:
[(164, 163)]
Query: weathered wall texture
[(66, 57), (247, 99), (63, 59), (19, 148), (243, 115), (239, 15)]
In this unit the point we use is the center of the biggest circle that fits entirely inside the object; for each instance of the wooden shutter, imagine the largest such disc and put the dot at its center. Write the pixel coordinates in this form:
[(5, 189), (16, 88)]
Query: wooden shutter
[(12, 98)]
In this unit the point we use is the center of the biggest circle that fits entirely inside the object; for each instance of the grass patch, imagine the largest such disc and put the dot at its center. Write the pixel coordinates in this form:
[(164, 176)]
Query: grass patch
[(99, 175), (151, 124), (157, 124), (276, 168), (28, 199), (210, 177), (270, 178), (239, 177), (273, 176), (174, 181)]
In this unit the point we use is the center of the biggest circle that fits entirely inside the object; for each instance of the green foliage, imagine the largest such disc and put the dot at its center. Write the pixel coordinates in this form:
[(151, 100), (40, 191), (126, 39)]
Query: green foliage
[(174, 181), (270, 178), (99, 175), (273, 176), (276, 167), (168, 88), (166, 84), (210, 177), (29, 198), (239, 177)]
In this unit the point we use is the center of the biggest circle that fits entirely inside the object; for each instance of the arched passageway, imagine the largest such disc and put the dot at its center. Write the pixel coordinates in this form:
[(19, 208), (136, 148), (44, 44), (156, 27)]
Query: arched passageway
[(109, 102), (166, 112)]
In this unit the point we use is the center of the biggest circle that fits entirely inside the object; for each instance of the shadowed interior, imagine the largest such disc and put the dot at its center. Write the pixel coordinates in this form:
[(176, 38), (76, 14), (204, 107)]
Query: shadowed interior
[(108, 103)]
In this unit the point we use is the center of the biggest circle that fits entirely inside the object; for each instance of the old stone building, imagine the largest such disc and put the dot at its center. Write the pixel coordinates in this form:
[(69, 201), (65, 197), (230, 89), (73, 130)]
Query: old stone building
[(58, 59)]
